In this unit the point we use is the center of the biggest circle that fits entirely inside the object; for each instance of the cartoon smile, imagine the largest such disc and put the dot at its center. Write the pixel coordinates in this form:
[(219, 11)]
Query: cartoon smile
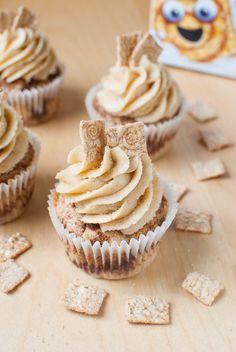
[(191, 35)]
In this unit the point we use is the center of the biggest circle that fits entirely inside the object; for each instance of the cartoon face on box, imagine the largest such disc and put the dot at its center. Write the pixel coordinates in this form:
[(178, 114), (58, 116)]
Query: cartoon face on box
[(200, 29)]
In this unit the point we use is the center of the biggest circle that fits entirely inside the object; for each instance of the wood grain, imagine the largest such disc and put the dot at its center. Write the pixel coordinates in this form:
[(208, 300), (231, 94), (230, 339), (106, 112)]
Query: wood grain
[(32, 318)]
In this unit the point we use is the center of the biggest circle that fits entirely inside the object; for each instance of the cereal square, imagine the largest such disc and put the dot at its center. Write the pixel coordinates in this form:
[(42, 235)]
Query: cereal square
[(193, 220), (147, 310), (11, 275), (205, 170), (214, 139), (202, 287), (84, 299), (13, 245), (179, 189), (201, 111)]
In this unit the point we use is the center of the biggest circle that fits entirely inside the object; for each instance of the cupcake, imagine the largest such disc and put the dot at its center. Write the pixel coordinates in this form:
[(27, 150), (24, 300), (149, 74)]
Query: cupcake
[(139, 89), (29, 68), (109, 207), (19, 151)]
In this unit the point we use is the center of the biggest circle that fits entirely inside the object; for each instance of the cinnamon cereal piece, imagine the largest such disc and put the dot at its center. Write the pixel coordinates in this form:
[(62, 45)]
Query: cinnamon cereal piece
[(11, 275), (202, 287), (24, 18), (214, 139), (202, 111), (180, 190), (13, 245), (125, 46), (146, 46), (6, 20), (205, 170), (92, 134), (84, 299), (130, 138), (193, 220), (147, 310)]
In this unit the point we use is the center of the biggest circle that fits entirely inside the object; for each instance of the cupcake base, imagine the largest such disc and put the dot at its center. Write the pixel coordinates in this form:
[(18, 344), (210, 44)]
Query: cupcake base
[(158, 135), (115, 260), (38, 103), (17, 191)]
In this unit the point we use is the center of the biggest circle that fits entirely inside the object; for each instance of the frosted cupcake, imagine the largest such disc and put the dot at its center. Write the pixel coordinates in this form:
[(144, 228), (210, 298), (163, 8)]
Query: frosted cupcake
[(19, 152), (136, 89), (29, 68), (109, 207)]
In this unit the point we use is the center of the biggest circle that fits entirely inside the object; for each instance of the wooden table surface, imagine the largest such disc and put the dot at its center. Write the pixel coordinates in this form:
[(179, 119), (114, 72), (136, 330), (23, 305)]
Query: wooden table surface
[(33, 318)]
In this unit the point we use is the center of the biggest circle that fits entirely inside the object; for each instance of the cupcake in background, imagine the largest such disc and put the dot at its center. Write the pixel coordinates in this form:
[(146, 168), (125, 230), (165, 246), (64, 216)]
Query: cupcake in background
[(29, 68), (19, 151), (110, 207), (139, 89)]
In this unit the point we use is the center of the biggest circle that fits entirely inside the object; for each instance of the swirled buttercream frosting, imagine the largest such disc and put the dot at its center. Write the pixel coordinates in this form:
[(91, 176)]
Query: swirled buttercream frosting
[(137, 86), (13, 137), (25, 53), (110, 179)]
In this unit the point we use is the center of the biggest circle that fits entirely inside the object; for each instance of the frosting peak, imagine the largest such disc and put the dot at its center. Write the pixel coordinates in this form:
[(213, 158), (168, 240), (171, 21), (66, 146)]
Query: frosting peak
[(111, 180), (137, 86), (24, 52)]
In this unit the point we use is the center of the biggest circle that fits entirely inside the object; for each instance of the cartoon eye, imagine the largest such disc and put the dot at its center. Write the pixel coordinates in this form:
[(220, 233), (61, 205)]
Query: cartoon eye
[(205, 11), (173, 11)]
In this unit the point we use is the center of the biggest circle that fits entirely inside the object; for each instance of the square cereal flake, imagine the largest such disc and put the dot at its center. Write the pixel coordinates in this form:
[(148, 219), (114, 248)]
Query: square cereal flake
[(84, 299), (13, 245), (179, 189), (147, 310), (214, 139), (201, 111), (193, 220), (202, 287), (11, 275), (205, 170)]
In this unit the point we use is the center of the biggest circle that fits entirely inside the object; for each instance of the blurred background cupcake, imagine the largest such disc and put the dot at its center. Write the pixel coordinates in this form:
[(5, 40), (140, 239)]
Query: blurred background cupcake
[(19, 151), (110, 207), (137, 88), (29, 68)]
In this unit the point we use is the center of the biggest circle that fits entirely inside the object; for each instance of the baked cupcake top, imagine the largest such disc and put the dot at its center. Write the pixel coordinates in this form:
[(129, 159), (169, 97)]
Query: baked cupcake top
[(111, 180), (25, 53), (14, 140), (138, 86)]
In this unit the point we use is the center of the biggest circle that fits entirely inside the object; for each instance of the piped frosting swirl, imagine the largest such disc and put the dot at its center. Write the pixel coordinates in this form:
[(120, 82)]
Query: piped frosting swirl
[(25, 53), (13, 137), (111, 180), (137, 86)]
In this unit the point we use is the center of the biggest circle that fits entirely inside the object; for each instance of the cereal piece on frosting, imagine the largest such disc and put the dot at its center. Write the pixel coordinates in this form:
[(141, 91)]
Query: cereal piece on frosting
[(193, 220), (146, 46), (6, 20), (147, 310), (13, 245), (202, 287), (24, 18), (202, 111), (129, 137), (214, 139), (205, 170), (125, 46), (84, 299), (92, 134), (11, 275)]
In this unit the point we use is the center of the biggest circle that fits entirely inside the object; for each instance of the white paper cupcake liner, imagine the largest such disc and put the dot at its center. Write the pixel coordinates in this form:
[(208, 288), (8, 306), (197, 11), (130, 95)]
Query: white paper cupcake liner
[(37, 104), (157, 135), (99, 258), (15, 194)]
